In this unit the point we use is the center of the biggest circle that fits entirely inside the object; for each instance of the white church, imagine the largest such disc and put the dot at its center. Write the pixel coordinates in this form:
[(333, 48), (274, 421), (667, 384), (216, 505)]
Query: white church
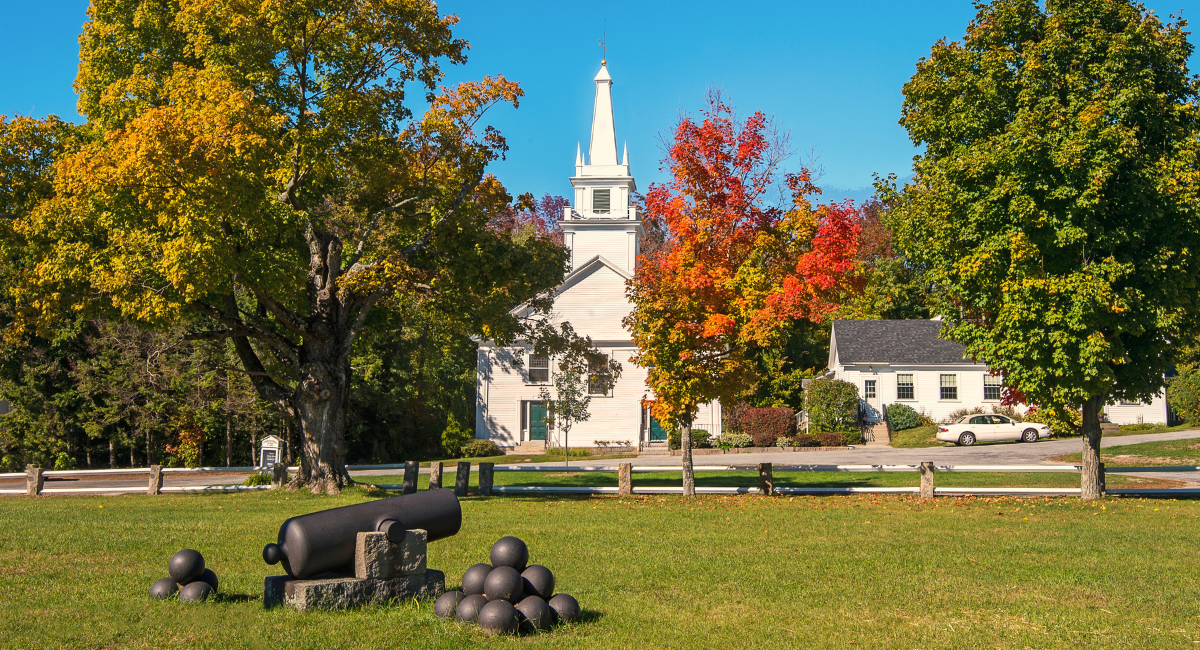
[(603, 232)]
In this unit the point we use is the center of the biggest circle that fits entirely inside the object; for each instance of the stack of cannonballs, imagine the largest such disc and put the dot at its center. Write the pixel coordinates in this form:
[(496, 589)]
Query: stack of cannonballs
[(189, 578), (508, 596)]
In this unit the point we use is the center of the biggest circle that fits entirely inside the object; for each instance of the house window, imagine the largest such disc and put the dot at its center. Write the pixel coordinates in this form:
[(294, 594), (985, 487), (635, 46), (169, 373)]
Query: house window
[(869, 389), (539, 370), (1128, 402), (991, 387), (601, 201), (598, 385), (949, 387), (904, 387)]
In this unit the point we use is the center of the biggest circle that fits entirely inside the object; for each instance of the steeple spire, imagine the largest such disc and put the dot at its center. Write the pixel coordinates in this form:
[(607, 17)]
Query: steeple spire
[(603, 150)]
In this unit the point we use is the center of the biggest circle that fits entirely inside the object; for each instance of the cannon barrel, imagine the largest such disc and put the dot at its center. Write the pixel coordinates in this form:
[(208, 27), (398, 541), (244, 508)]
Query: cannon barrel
[(324, 542)]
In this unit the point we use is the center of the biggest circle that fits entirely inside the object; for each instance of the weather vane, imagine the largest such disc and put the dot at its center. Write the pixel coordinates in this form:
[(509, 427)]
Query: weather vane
[(603, 47)]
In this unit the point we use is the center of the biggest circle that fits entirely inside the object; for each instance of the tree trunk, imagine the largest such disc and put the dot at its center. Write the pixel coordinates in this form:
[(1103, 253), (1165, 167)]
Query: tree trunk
[(685, 443), (321, 402), (228, 440), (112, 454), (1091, 485), (132, 460), (149, 451)]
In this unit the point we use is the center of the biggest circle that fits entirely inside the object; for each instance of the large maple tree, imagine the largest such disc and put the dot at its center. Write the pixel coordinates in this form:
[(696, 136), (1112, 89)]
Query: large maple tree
[(1055, 204), (732, 270), (254, 170)]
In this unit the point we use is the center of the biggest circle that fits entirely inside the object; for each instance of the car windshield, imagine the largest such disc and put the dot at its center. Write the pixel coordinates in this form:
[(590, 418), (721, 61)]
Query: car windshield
[(962, 420)]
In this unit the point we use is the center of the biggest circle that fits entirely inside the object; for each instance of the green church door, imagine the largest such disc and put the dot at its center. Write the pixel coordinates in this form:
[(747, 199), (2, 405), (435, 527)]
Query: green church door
[(656, 430), (537, 421)]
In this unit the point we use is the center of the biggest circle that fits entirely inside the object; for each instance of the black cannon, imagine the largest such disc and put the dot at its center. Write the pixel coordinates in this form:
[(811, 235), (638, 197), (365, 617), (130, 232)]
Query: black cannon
[(324, 542)]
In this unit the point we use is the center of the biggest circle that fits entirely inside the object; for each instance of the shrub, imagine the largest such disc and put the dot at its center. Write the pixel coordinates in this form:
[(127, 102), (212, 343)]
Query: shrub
[(1061, 424), (766, 425), (832, 439), (454, 436), (257, 478), (481, 449), (734, 418), (853, 437), (64, 461), (833, 405), (805, 440), (733, 440), (902, 416), (700, 439), (1183, 392)]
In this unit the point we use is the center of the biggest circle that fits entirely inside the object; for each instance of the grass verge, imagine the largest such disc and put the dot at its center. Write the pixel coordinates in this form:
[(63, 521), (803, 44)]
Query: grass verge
[(1160, 453), (650, 572), (916, 437)]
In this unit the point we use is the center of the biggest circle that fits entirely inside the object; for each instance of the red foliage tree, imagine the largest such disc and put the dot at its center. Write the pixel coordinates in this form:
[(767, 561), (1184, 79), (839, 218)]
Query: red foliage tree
[(731, 270)]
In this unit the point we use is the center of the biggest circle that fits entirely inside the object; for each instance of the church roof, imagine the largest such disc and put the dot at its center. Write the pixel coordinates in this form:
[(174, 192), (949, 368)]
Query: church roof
[(894, 342)]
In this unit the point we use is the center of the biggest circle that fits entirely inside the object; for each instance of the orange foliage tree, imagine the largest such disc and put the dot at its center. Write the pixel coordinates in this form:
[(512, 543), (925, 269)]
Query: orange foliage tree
[(733, 271)]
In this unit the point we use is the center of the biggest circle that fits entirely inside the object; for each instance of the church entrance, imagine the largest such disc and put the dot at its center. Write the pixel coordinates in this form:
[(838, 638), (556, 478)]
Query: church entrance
[(653, 431), (534, 424)]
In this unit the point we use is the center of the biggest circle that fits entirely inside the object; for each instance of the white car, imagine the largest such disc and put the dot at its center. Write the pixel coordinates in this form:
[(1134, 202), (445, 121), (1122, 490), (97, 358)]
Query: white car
[(970, 429)]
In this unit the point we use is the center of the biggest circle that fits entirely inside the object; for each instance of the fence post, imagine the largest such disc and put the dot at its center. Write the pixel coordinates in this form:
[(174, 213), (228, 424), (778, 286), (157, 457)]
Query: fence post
[(435, 475), (411, 469), (766, 479), (278, 475), (462, 478), (154, 488), (927, 472), (625, 479), (1103, 487), (486, 476), (34, 480)]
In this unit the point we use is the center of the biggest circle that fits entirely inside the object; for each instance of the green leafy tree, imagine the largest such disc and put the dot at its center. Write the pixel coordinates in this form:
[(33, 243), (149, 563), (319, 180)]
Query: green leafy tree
[(833, 406), (582, 371), (255, 173), (1055, 203)]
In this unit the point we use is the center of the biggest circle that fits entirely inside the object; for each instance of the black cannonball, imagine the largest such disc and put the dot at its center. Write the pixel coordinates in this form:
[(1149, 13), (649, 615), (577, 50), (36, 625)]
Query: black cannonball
[(211, 578), (504, 583), (164, 589), (498, 617), (185, 566), (566, 607), (194, 592), (468, 608), (538, 581), (537, 613), (510, 551), (447, 604), (472, 582)]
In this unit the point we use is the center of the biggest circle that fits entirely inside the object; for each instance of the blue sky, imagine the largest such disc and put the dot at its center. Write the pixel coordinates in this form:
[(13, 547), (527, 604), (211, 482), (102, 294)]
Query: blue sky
[(829, 72)]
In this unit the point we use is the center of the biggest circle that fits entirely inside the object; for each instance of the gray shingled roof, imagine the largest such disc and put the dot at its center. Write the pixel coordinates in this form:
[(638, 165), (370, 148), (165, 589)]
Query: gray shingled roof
[(894, 342)]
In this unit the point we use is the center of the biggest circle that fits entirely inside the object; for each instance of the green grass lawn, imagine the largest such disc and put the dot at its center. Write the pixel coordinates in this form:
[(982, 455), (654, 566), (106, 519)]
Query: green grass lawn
[(1161, 453), (650, 572), (528, 458), (916, 437)]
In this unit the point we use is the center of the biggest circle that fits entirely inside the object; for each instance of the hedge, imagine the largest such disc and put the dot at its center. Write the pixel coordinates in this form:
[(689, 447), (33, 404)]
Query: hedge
[(767, 425)]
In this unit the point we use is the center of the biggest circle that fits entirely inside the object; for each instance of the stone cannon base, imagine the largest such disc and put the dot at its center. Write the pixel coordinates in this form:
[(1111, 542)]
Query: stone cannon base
[(384, 571)]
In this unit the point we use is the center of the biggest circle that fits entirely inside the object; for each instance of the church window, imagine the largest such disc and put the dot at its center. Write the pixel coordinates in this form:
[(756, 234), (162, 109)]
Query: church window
[(601, 201), (599, 384), (539, 370)]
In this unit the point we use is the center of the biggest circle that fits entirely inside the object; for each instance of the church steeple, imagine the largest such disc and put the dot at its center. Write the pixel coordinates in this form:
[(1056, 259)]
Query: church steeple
[(601, 221), (604, 136)]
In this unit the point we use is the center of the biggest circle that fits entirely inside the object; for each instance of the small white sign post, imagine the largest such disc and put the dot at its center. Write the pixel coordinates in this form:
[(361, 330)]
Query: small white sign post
[(271, 451)]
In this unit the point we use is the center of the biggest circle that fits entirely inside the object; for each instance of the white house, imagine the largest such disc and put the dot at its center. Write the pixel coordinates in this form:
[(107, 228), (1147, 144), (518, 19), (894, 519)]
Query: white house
[(603, 232), (904, 361)]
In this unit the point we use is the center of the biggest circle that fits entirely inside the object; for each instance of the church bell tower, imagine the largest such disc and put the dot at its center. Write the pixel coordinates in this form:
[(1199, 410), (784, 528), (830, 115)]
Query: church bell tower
[(601, 221)]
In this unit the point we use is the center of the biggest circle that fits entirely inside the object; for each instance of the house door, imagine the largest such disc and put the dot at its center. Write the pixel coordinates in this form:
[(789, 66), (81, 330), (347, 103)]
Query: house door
[(537, 421), (871, 400), (656, 430)]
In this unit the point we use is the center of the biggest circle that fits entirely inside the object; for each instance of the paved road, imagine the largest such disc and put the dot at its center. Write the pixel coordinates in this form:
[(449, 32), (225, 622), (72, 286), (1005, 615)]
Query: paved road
[(985, 454)]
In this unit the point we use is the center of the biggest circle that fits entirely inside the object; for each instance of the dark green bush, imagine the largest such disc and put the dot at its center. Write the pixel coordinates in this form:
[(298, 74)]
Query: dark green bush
[(805, 440), (258, 478), (700, 439), (1184, 394), (481, 449), (833, 405), (902, 416)]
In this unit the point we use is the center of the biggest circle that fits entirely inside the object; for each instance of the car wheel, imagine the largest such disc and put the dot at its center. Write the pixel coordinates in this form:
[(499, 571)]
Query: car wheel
[(966, 439), (1029, 435)]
